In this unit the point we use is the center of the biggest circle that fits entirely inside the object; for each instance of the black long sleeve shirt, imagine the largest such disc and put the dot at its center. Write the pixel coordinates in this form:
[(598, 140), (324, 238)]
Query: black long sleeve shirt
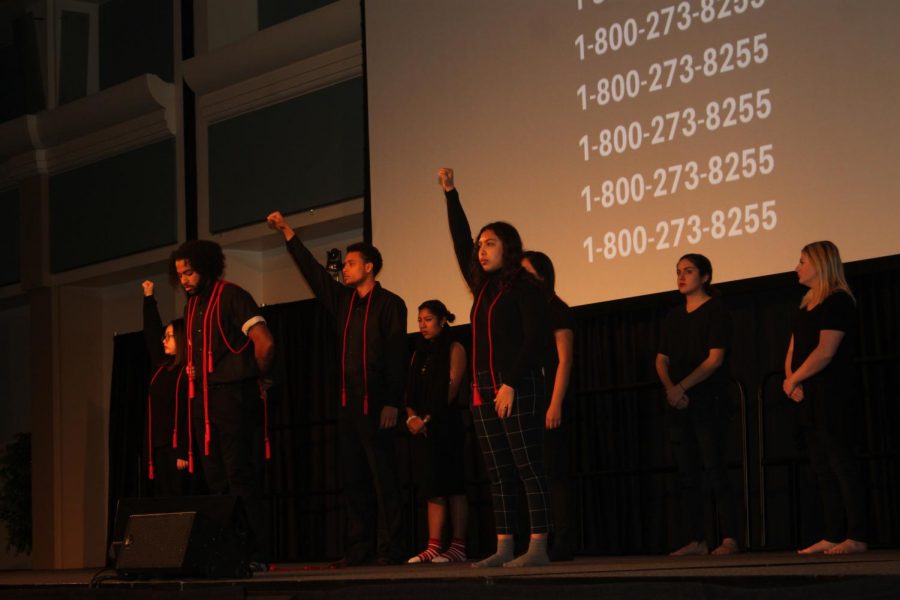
[(518, 329), (171, 380), (384, 375)]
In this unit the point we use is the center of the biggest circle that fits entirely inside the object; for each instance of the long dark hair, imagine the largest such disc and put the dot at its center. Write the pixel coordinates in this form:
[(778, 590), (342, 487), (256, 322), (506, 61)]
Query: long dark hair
[(704, 267), (544, 268), (178, 330), (512, 254)]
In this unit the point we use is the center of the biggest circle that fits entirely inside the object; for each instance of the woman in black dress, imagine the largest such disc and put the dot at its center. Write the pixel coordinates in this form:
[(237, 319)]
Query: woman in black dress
[(819, 377), (690, 364), (509, 331), (436, 372), (168, 436)]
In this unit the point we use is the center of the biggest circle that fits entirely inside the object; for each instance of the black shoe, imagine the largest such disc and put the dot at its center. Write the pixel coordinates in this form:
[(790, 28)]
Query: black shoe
[(385, 561)]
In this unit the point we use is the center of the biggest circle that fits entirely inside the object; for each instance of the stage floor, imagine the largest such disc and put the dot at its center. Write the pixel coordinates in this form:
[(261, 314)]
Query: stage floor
[(875, 574)]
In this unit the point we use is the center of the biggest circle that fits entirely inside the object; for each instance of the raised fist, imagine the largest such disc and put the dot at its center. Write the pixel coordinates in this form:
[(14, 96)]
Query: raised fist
[(445, 178)]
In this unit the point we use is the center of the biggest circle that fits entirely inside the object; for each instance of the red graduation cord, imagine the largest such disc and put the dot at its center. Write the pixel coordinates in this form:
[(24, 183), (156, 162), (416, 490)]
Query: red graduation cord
[(365, 349), (476, 395)]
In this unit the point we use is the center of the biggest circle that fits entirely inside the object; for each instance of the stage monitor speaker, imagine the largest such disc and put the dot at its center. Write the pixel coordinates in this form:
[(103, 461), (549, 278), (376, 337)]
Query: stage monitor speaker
[(191, 536)]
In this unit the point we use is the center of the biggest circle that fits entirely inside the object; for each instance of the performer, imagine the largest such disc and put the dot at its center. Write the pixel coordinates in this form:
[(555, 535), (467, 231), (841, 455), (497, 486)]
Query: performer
[(557, 372), (436, 372), (167, 432), (230, 350), (508, 333), (372, 327), (691, 365), (819, 377)]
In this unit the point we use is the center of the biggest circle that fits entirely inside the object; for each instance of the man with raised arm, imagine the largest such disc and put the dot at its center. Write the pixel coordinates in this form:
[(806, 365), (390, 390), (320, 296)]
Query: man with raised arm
[(371, 325)]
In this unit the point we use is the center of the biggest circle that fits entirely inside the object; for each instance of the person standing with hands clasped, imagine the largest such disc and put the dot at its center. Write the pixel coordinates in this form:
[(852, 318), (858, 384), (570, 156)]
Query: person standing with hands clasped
[(691, 365), (167, 399), (371, 325), (436, 373), (509, 330), (818, 372)]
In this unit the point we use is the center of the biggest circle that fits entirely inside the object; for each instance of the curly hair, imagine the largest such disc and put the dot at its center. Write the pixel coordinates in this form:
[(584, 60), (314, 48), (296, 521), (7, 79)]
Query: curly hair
[(512, 254), (204, 256)]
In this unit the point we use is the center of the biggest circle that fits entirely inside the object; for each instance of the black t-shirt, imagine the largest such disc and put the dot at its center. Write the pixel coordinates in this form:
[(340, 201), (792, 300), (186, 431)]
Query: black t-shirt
[(232, 317), (559, 316), (826, 392), (687, 338)]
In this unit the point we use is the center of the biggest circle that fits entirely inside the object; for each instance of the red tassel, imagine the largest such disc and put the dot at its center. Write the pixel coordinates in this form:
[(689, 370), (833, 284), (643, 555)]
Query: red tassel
[(206, 441), (268, 449), (366, 404), (191, 463), (343, 397), (209, 361), (191, 388), (152, 473), (476, 396), (174, 440)]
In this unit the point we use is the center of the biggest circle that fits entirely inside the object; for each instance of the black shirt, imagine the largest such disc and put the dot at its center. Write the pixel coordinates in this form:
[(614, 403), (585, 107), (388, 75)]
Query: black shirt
[(386, 353), (687, 338), (168, 388), (559, 317), (428, 385), (232, 316), (827, 392), (517, 331)]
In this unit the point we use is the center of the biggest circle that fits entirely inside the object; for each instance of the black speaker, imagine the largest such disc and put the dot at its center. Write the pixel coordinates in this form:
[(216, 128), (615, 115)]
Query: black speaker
[(191, 536)]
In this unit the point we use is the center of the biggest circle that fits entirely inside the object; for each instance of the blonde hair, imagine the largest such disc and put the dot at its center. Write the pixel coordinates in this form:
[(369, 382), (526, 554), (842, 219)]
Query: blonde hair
[(826, 260)]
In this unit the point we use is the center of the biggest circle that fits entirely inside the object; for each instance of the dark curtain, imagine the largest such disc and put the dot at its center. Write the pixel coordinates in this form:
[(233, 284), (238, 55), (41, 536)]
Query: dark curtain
[(622, 470), (127, 421)]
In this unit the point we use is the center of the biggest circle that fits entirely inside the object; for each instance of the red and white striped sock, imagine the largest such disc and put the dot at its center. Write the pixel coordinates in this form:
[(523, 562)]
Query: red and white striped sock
[(455, 553), (429, 554)]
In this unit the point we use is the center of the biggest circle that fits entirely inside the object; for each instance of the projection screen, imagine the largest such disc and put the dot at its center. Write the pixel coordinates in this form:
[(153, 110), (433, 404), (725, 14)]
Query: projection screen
[(618, 135)]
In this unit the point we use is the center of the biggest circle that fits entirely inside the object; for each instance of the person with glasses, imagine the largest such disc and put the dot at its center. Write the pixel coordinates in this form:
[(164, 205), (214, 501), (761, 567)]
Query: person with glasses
[(167, 432)]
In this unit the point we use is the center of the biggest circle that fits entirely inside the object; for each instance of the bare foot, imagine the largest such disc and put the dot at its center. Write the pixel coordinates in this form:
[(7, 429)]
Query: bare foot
[(818, 547), (848, 546), (692, 549), (728, 546)]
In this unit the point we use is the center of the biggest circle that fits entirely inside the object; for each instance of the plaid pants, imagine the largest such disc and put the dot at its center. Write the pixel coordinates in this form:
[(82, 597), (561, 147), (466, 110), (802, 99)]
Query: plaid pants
[(513, 449)]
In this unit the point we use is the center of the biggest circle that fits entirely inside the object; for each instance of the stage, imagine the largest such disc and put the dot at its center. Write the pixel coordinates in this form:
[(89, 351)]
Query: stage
[(875, 574)]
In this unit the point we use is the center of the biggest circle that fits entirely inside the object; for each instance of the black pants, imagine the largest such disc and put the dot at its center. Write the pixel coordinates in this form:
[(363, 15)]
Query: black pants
[(232, 467), (167, 479), (557, 465), (840, 485), (371, 489), (697, 435)]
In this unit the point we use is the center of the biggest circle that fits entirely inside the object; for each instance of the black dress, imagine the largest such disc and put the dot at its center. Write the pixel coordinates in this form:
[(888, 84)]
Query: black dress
[(826, 416), (167, 429), (438, 464)]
